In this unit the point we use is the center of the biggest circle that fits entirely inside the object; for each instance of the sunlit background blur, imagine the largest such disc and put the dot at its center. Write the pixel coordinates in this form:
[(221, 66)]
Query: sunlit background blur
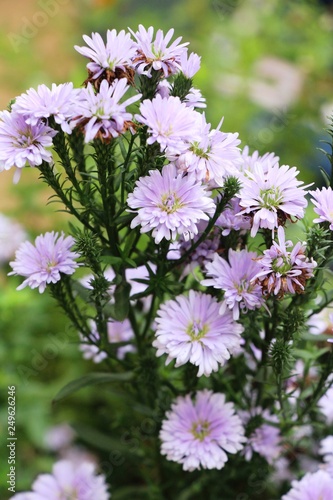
[(267, 67)]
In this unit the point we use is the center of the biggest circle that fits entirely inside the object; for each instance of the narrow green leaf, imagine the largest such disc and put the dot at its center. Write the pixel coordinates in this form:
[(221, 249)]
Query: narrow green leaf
[(91, 379)]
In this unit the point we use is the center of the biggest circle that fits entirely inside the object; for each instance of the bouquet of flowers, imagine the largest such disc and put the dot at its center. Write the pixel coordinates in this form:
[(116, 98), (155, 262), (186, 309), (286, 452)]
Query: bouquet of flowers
[(180, 281)]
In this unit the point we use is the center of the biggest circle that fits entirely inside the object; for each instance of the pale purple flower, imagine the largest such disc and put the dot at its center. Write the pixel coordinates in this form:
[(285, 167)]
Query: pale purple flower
[(198, 433), (44, 262), (59, 437), (11, 236), (44, 102), (231, 220), (193, 99), (190, 329), (22, 144), (170, 122), (283, 271), (271, 195), (326, 448), (322, 322), (190, 64), (325, 405), (248, 162), (115, 54), (323, 201), (313, 486), (154, 53), (68, 480), (235, 278), (169, 204), (101, 114), (117, 331), (211, 158)]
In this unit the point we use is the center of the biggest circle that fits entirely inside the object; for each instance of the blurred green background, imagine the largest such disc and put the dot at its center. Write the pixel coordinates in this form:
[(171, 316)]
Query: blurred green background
[(267, 67)]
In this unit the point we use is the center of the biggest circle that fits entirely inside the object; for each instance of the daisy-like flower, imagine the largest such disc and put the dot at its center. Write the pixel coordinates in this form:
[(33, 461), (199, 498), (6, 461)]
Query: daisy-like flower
[(193, 99), (325, 405), (236, 280), (190, 329), (169, 122), (155, 54), (321, 323), (190, 64), (198, 433), (111, 59), (68, 480), (313, 486), (102, 115), (323, 201), (248, 161), (230, 220), (326, 448), (265, 439), (284, 271), (271, 195), (44, 102), (22, 144), (117, 331), (169, 204), (211, 158), (44, 262), (11, 236)]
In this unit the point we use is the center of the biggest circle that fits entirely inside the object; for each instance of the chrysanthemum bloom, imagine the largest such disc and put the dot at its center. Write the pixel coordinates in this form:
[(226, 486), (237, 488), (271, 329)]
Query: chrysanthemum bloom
[(111, 59), (323, 201), (236, 280), (211, 158), (271, 195), (22, 144), (190, 329), (198, 433), (155, 54), (169, 204), (44, 262), (325, 405), (265, 439), (284, 271), (102, 115), (77, 482), (230, 219), (117, 331), (313, 486), (44, 102), (11, 236), (326, 448), (169, 122), (248, 161)]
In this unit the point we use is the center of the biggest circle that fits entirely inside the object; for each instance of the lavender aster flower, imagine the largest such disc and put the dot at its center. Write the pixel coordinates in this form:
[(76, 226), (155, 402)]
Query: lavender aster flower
[(117, 331), (326, 448), (236, 280), (230, 219), (169, 204), (113, 57), (169, 122), (11, 236), (21, 143), (193, 99), (248, 161), (190, 329), (283, 271), (265, 439), (313, 486), (155, 54), (323, 201), (190, 64), (44, 262), (101, 114), (271, 195), (325, 405), (77, 482), (211, 158), (44, 102), (198, 433)]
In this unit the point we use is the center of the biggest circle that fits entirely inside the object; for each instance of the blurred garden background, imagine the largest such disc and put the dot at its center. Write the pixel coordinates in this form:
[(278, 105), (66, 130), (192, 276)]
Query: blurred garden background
[(267, 67)]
